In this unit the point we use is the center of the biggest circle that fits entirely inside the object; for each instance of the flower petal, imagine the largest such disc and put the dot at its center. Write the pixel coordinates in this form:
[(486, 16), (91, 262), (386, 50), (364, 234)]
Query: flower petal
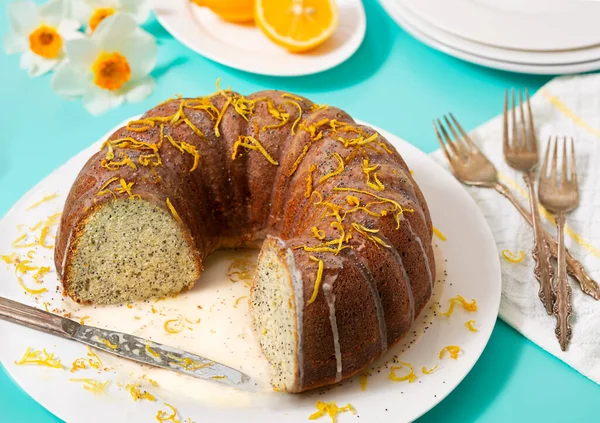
[(140, 51), (69, 29), (15, 43), (23, 17), (54, 11), (81, 11), (140, 9), (82, 51), (36, 65), (97, 100), (113, 29), (140, 89), (70, 81)]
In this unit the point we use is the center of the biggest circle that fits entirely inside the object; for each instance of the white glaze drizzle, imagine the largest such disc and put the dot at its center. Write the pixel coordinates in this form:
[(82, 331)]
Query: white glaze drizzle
[(363, 266), (409, 291), (422, 251), (65, 254), (330, 297)]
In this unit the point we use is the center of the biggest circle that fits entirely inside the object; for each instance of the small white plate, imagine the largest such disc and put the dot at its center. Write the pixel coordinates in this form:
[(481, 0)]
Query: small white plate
[(547, 25), (554, 58), (467, 265), (245, 47), (397, 14)]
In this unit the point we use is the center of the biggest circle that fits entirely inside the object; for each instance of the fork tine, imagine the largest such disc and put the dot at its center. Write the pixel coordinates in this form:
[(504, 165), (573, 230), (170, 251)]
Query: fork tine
[(505, 144), (524, 141), (458, 140), (564, 177), (515, 138), (544, 169), (442, 144), (466, 136), (448, 139), (534, 147), (554, 159), (573, 168)]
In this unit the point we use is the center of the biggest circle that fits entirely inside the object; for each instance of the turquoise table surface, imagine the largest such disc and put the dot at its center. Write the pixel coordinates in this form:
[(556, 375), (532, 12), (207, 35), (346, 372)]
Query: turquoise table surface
[(393, 82)]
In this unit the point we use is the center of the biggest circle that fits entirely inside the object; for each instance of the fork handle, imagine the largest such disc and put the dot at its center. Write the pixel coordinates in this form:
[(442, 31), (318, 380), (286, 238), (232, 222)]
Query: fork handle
[(543, 270), (574, 266), (562, 291)]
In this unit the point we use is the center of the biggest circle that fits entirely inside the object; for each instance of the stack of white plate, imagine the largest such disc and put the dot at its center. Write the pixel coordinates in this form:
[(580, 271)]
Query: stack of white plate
[(529, 36)]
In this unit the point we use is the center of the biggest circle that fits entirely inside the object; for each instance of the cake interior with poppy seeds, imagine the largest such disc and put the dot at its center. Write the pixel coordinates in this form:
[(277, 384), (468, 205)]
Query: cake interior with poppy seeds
[(346, 260)]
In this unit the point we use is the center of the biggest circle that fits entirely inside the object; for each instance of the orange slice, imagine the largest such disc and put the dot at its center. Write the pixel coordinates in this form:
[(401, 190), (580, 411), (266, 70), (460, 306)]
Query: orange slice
[(297, 25), (230, 10)]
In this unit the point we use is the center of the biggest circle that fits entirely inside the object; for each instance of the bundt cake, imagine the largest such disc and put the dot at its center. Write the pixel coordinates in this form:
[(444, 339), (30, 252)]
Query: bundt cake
[(347, 260)]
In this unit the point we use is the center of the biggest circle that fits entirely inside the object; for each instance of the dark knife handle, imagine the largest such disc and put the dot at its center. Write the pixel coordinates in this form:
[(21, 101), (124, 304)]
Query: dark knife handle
[(35, 318)]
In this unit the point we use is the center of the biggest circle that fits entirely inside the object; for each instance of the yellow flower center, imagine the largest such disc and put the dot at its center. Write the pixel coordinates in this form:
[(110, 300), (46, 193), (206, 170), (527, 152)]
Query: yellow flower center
[(98, 16), (46, 42), (111, 71)]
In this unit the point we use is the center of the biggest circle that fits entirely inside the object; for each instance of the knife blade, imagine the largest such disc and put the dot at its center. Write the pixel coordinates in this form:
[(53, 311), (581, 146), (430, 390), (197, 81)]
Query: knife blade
[(124, 345)]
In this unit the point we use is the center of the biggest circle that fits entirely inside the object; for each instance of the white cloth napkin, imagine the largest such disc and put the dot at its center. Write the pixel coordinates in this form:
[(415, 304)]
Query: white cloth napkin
[(565, 106)]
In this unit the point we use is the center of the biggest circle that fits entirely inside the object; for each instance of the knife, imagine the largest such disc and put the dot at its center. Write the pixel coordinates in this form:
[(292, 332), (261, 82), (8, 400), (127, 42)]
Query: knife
[(125, 345)]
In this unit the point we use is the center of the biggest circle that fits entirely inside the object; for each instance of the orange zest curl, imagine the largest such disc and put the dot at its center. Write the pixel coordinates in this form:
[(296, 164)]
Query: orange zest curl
[(439, 234), (151, 352), (397, 208), (513, 258), (331, 409), (375, 183), (318, 233), (363, 378), (468, 306), (453, 350), (469, 325), (137, 394), (187, 363), (43, 200), (317, 280), (34, 357), (94, 386), (174, 325), (237, 302), (163, 417), (336, 172), (309, 181), (112, 165), (184, 147), (173, 211), (426, 371), (368, 233), (251, 143), (410, 377), (108, 343), (298, 161)]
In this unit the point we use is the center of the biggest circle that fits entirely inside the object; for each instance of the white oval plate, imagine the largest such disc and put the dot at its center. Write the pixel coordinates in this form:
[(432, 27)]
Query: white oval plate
[(397, 14), (245, 47), (467, 265), (548, 25), (554, 58)]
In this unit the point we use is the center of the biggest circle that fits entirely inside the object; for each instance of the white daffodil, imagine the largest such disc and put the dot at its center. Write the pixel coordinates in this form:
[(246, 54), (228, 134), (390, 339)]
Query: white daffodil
[(109, 67), (91, 12), (39, 33)]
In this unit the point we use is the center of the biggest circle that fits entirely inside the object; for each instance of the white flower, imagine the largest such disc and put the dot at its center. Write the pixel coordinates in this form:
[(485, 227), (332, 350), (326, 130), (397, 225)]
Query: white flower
[(39, 33), (109, 67), (91, 12)]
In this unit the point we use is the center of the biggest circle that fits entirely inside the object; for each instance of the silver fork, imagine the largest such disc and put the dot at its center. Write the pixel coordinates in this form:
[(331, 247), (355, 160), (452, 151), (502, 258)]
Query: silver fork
[(560, 196), (472, 167), (521, 153)]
